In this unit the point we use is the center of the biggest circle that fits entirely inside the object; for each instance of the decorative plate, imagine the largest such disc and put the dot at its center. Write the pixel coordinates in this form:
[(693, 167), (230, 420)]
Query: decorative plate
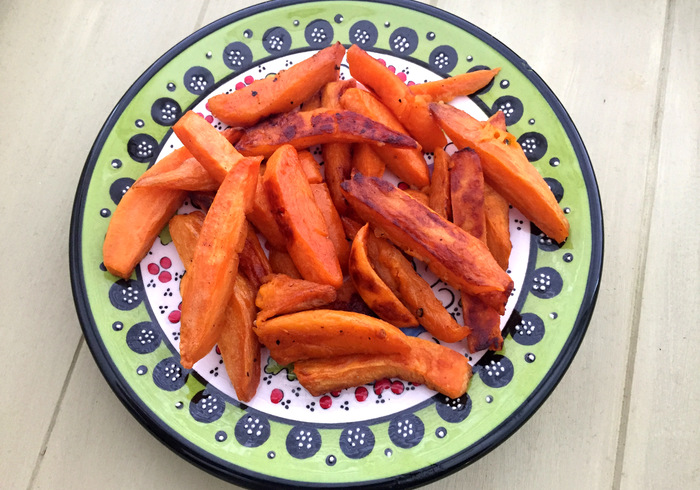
[(390, 432)]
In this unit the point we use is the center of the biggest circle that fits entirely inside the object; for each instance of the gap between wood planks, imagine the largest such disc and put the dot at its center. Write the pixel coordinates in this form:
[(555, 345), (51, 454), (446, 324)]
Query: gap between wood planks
[(647, 210), (54, 416)]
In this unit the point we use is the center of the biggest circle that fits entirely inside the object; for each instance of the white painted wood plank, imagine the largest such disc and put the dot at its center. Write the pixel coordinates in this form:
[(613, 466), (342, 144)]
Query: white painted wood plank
[(663, 431), (592, 56), (63, 66)]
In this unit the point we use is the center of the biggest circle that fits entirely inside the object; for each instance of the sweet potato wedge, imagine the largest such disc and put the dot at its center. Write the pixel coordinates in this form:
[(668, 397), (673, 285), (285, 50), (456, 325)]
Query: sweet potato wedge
[(313, 102), (261, 216), (419, 196), (330, 215), (337, 163), (281, 295), (351, 227), (304, 129), (281, 93), (207, 145), (281, 263), (485, 324), (439, 198), (451, 253), (299, 219), (366, 160), (189, 176), (463, 84), (331, 93), (310, 166), (253, 262), (467, 193), (497, 211), (185, 230), (409, 109), (139, 218), (414, 292), (238, 343), (328, 333), (506, 169), (214, 266), (438, 367), (378, 296), (408, 165)]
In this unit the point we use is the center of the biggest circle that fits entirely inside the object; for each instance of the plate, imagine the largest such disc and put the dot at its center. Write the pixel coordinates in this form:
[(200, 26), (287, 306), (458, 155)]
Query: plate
[(389, 432)]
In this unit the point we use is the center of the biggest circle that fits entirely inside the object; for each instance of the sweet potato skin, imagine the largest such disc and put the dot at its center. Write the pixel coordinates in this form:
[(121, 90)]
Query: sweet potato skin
[(467, 193), (304, 129), (281, 93), (328, 333), (378, 296), (299, 219), (451, 253)]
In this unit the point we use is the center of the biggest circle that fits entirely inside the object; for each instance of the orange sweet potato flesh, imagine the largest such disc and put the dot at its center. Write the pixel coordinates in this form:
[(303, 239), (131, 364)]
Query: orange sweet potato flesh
[(439, 198), (253, 262), (280, 93), (413, 291), (408, 165), (299, 219), (214, 266), (281, 263), (189, 176), (366, 160), (506, 169), (467, 193), (139, 218), (304, 129), (328, 333), (410, 110), (438, 367), (207, 145), (330, 215), (452, 254), (331, 93), (485, 324), (447, 89), (378, 296), (238, 343), (261, 216), (185, 230), (281, 294), (498, 121), (337, 163), (311, 168), (497, 211), (313, 102)]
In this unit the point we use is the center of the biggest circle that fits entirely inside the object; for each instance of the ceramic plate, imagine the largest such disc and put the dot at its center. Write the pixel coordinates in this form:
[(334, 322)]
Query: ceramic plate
[(388, 432)]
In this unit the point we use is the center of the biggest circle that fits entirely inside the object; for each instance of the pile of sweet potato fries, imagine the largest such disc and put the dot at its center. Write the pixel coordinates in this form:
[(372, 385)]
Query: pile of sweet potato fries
[(341, 234)]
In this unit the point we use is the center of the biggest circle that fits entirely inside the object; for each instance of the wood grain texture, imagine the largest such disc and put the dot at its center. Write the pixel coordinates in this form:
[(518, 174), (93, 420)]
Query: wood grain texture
[(662, 441)]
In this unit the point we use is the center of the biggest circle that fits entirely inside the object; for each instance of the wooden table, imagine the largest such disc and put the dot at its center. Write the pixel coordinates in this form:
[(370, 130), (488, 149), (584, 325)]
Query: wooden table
[(626, 413)]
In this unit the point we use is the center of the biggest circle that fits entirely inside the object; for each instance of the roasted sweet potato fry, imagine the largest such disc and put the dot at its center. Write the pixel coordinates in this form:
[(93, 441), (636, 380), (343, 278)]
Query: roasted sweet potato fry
[(439, 198), (261, 216), (313, 102), (330, 215), (467, 193), (497, 212), (311, 168), (281, 263), (328, 333), (206, 144), (506, 169), (485, 324), (281, 93), (378, 296), (281, 295), (447, 89), (299, 219), (408, 165), (304, 129), (185, 230), (215, 263), (366, 160), (438, 367), (410, 109), (331, 93), (397, 272), (238, 343), (337, 163), (451, 253), (419, 196), (139, 218), (253, 263), (189, 176), (351, 227)]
